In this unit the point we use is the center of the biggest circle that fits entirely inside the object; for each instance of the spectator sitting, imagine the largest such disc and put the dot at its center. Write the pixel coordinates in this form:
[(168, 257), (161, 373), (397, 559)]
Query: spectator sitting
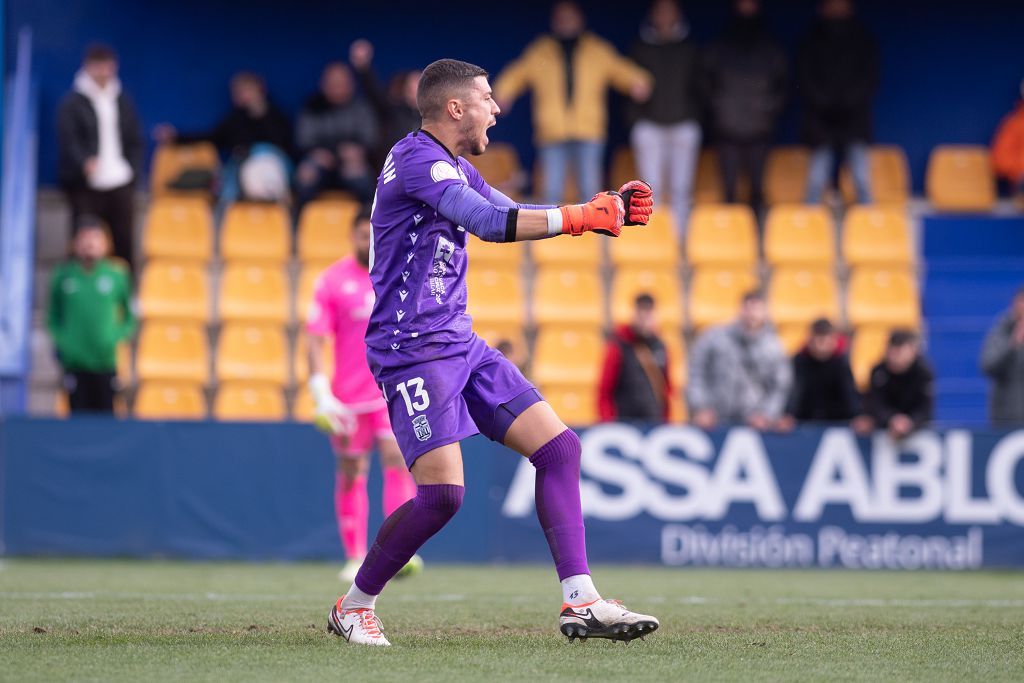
[(837, 70), (739, 373), (823, 387), (396, 107), (570, 71), (89, 315), (745, 73), (1002, 359), (1008, 148), (634, 382), (254, 128), (336, 133), (99, 147), (901, 391), (666, 135)]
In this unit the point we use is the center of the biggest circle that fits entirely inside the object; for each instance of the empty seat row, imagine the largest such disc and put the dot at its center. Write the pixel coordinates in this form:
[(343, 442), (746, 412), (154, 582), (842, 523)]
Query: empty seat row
[(234, 401)]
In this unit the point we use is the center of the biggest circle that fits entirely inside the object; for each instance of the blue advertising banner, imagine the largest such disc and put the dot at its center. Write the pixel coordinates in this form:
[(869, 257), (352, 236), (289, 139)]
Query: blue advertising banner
[(672, 495)]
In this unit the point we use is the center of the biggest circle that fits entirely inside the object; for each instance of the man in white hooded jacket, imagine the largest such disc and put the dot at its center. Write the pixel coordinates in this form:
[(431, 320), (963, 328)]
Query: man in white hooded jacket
[(100, 147)]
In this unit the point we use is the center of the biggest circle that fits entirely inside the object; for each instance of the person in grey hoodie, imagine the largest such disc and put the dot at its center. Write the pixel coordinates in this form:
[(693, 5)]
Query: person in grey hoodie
[(1002, 359), (739, 373)]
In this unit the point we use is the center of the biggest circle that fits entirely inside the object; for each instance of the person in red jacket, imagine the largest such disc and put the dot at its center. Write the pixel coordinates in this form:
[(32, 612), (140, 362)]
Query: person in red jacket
[(1008, 147), (635, 383)]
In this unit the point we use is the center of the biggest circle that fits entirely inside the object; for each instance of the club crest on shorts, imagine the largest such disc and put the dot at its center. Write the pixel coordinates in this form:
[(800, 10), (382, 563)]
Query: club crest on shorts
[(421, 426)]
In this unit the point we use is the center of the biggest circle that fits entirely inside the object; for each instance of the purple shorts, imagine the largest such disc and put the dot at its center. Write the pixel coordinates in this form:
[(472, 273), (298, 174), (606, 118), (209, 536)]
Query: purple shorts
[(441, 393)]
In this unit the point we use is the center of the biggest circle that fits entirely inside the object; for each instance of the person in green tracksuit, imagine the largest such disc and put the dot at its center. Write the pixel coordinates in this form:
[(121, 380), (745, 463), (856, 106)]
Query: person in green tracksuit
[(90, 314)]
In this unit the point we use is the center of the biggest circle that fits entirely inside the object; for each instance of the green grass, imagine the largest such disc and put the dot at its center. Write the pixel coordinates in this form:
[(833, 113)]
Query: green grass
[(132, 621)]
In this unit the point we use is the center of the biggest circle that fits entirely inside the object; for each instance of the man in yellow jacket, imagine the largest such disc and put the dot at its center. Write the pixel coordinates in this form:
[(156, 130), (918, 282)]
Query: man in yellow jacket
[(570, 71)]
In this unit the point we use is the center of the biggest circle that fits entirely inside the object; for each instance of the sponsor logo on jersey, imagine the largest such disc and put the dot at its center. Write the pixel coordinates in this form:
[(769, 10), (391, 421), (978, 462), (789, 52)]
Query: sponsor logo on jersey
[(442, 170), (421, 427)]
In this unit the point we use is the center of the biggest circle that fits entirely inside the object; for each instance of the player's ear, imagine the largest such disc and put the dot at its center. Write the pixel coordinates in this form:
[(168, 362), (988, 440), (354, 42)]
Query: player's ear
[(455, 109)]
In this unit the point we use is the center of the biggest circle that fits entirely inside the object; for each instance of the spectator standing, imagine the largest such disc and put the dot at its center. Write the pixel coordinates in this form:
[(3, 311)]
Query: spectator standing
[(739, 373), (255, 128), (99, 148), (823, 386), (1002, 359), (634, 383), (570, 71), (396, 106), (1008, 148), (837, 73), (336, 134), (89, 315), (666, 134), (746, 80), (901, 391)]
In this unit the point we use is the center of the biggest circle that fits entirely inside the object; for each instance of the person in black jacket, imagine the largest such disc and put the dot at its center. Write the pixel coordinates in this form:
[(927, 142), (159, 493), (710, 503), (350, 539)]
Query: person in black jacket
[(99, 148), (666, 136), (395, 106), (745, 79), (634, 383), (837, 72), (823, 388), (901, 393)]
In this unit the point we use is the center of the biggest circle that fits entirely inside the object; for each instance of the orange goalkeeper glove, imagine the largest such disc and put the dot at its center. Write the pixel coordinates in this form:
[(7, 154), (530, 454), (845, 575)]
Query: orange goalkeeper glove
[(638, 200), (603, 214)]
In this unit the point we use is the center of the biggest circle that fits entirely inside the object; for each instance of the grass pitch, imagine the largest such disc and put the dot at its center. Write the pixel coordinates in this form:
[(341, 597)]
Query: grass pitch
[(130, 621)]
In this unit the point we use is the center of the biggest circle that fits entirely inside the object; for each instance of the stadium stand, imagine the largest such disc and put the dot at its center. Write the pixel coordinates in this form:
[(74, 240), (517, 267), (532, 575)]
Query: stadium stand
[(304, 290), (324, 229), (585, 251), (890, 176), (172, 351), (495, 296), (653, 245), (568, 296), (796, 234), (256, 232), (170, 161), (567, 356), (960, 178), (175, 290), (722, 235), (663, 284), (500, 167), (866, 350), (495, 254), (715, 294), (877, 296), (250, 291), (785, 175), (797, 296), (300, 361), (179, 228), (252, 352), (249, 401), (575, 404), (877, 235), (174, 400)]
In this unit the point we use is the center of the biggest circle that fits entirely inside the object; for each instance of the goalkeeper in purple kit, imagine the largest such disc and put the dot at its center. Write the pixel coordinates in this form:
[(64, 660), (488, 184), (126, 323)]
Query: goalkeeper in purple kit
[(442, 383)]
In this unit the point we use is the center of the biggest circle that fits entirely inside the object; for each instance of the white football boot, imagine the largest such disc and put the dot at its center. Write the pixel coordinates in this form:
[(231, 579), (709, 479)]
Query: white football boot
[(357, 626), (604, 619)]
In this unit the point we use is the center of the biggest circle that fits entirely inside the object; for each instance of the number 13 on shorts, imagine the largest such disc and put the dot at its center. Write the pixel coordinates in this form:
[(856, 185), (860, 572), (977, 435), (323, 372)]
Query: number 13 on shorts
[(415, 396)]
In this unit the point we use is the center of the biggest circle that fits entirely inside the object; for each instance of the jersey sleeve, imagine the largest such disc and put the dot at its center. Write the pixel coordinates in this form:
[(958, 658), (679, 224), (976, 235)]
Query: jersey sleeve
[(427, 172), (322, 312)]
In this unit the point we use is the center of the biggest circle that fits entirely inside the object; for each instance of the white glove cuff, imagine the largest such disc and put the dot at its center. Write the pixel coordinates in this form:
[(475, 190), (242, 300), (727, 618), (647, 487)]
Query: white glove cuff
[(320, 387)]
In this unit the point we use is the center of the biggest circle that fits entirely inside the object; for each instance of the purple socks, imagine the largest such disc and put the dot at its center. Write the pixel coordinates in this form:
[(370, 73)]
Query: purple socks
[(558, 502), (408, 528)]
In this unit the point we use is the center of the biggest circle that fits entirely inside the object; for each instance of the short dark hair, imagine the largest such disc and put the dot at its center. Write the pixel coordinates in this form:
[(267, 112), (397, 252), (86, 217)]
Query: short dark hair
[(99, 52), (439, 82), (88, 221), (249, 77), (902, 337), (753, 295), (644, 300), (363, 215), (821, 327)]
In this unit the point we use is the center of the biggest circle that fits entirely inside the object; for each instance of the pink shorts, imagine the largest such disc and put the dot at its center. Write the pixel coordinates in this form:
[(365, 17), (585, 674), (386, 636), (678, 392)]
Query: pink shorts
[(369, 427)]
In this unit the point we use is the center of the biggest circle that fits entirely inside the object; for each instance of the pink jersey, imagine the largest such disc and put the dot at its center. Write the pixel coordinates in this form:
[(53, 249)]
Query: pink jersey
[(342, 302)]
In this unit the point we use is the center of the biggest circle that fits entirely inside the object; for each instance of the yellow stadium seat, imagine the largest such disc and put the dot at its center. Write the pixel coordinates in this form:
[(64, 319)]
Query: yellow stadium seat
[(256, 231), (495, 296), (707, 187), (960, 178), (866, 351), (500, 167), (248, 401), (173, 351), (793, 337), (715, 295), (575, 404), (175, 290), (678, 366), (799, 234), (300, 360), (311, 270), (890, 176), (882, 297), (252, 352), (125, 373), (801, 295), (250, 291), (650, 245), (169, 161), (722, 234), (583, 251), (178, 228), (157, 400), (325, 229), (568, 296), (623, 168), (877, 235), (304, 407), (785, 175), (568, 355), (503, 255), (663, 284)]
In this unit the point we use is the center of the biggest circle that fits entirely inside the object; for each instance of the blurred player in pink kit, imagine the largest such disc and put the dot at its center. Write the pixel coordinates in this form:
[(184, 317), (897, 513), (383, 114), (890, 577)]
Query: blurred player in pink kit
[(351, 408)]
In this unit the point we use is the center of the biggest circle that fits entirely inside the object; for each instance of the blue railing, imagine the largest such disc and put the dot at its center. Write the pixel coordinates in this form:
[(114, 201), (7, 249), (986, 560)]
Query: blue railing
[(17, 228)]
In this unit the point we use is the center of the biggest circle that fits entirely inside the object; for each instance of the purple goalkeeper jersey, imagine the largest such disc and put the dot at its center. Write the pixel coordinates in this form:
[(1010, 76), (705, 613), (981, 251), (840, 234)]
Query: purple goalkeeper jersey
[(418, 257)]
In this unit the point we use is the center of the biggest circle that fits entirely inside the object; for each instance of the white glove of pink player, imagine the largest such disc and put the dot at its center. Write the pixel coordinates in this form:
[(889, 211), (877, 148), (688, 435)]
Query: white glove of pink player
[(332, 416)]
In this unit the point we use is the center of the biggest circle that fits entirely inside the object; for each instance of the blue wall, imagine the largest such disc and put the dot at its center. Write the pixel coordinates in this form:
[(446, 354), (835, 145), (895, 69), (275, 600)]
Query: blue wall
[(950, 69)]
